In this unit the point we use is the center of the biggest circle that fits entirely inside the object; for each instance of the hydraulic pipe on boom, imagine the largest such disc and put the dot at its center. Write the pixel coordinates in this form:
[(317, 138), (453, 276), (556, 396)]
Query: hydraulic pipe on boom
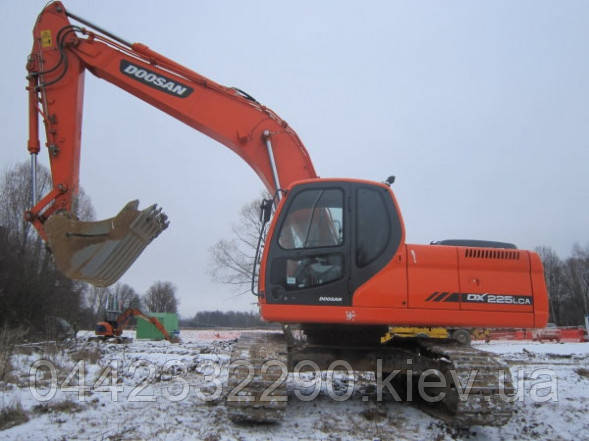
[(33, 143)]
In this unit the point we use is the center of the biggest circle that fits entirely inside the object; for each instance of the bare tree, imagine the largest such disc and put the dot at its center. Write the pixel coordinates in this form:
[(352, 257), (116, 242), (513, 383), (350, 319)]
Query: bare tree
[(161, 297), (31, 287), (567, 282), (236, 319), (96, 298), (126, 296), (82, 206), (231, 260), (576, 270), (581, 255), (15, 198), (555, 284)]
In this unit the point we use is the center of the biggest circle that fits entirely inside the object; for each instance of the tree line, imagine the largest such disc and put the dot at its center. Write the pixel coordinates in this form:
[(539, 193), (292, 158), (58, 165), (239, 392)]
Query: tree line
[(226, 319), (567, 281), (159, 297)]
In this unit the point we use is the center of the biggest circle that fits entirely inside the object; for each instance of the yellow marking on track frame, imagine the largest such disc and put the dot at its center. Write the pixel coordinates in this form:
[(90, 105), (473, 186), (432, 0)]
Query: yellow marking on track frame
[(481, 334), (412, 332), (46, 39)]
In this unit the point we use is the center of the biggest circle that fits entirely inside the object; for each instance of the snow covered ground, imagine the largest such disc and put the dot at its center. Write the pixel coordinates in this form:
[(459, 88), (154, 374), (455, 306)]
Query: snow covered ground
[(163, 391)]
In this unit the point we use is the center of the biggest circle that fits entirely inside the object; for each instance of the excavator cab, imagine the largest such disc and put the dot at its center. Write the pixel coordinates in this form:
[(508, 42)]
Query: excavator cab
[(104, 329), (100, 252), (330, 237)]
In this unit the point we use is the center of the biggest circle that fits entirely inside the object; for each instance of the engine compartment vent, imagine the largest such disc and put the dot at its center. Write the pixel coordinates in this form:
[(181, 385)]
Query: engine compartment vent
[(477, 253)]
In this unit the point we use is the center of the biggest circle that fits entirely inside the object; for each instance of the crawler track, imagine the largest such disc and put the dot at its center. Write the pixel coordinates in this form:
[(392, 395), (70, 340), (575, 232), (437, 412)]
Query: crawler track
[(488, 402), (256, 387), (477, 391)]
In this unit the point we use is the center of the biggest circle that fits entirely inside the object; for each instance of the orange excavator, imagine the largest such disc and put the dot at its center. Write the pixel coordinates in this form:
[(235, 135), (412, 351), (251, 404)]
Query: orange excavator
[(335, 262), (113, 327)]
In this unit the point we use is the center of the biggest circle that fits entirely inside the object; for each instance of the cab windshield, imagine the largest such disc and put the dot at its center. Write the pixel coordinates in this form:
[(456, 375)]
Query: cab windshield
[(315, 219)]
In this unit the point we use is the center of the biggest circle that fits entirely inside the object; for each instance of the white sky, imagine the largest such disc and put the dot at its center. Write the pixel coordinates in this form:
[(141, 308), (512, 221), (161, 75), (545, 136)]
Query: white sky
[(481, 110)]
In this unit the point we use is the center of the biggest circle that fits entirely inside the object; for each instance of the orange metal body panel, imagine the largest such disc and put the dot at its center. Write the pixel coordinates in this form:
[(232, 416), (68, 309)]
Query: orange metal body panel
[(387, 288), (380, 302), (431, 269), (384, 316), (497, 272)]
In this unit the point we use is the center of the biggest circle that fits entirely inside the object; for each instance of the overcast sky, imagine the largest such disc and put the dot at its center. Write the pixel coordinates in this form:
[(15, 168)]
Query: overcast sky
[(481, 110)]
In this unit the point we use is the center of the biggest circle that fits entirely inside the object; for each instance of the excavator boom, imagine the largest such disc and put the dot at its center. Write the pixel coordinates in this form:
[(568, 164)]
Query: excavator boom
[(100, 252)]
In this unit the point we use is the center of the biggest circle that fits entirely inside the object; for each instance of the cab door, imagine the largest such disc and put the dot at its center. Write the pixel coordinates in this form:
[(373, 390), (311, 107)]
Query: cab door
[(379, 269), (309, 252)]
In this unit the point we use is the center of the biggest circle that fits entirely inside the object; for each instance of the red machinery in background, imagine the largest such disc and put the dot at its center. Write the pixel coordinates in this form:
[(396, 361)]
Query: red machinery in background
[(114, 327)]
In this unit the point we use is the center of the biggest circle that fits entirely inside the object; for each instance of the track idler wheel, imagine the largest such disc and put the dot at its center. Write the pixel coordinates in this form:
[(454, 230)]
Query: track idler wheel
[(461, 336)]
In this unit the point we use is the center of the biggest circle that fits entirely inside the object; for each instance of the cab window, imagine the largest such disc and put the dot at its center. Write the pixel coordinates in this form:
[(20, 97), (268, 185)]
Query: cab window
[(315, 219), (311, 271), (372, 226)]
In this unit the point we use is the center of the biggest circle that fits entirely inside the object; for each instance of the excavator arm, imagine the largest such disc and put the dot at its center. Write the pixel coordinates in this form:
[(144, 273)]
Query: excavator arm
[(123, 319), (100, 252)]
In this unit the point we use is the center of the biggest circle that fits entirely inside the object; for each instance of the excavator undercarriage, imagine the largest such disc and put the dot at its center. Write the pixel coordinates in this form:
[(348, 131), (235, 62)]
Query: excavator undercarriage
[(459, 384)]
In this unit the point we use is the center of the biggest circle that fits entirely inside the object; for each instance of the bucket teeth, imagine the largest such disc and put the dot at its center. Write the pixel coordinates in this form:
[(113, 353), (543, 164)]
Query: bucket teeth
[(100, 252)]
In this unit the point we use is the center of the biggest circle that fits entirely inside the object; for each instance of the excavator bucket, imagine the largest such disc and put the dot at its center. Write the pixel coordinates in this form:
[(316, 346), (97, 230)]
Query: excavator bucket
[(100, 252)]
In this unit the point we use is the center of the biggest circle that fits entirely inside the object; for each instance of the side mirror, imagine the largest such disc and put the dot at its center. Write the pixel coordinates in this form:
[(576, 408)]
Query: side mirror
[(266, 210)]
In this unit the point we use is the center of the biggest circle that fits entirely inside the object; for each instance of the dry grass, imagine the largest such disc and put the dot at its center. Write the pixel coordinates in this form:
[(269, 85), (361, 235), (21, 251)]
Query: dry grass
[(6, 368), (8, 339), (90, 355), (374, 414), (6, 349), (66, 406), (51, 350), (583, 372), (12, 415)]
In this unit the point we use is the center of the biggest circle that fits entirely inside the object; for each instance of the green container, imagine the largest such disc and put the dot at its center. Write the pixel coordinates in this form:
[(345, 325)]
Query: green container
[(146, 330)]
